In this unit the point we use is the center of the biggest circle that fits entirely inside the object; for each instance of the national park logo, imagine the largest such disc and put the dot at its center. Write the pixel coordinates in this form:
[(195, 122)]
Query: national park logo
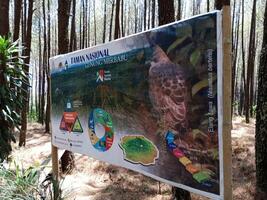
[(103, 75)]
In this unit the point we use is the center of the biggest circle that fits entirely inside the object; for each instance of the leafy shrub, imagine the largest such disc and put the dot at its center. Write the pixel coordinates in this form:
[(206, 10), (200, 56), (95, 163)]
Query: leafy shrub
[(11, 92), (24, 184), (18, 183)]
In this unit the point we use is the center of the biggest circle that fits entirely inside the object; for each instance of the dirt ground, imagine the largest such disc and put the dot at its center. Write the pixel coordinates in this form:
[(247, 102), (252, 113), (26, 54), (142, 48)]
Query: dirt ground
[(96, 180)]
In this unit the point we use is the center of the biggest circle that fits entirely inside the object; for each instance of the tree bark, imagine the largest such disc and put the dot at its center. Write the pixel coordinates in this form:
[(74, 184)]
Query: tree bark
[(17, 13), (28, 34), (67, 160), (235, 42), (145, 13), (220, 3), (40, 71), (122, 19), (105, 21), (4, 17), (95, 23), (243, 58), (153, 13), (63, 24), (179, 11), (166, 15), (48, 102), (73, 38), (117, 20), (136, 16), (166, 11), (251, 62), (111, 20), (261, 119)]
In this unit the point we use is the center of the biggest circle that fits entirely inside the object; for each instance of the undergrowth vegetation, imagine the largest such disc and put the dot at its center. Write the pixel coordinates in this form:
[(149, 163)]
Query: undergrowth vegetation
[(17, 183)]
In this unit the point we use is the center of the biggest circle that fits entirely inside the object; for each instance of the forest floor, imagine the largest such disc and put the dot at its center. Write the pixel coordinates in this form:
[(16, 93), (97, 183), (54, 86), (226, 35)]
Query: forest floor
[(96, 180)]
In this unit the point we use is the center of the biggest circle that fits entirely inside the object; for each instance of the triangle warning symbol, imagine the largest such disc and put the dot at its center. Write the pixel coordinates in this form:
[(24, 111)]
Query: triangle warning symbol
[(77, 126), (63, 125)]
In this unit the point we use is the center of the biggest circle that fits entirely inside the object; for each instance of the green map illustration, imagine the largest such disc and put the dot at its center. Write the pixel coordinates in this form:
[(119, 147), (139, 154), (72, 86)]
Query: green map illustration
[(138, 149)]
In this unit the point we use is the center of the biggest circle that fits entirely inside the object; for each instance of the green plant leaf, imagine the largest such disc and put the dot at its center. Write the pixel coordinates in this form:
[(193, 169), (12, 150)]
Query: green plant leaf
[(176, 43), (194, 58), (200, 85)]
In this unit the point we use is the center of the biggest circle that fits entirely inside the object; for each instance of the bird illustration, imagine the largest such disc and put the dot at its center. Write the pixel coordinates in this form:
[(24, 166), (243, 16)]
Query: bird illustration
[(168, 93)]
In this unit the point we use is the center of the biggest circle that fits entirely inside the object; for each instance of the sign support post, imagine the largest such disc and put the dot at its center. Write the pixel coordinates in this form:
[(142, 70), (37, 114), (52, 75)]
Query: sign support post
[(227, 118), (54, 149), (54, 152)]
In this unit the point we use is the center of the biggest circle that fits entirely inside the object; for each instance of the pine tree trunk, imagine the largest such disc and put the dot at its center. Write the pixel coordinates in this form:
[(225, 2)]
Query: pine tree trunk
[(235, 42), (166, 11), (243, 60), (95, 23), (67, 160), (117, 20), (153, 13), (44, 57), (261, 119), (105, 21), (4, 17), (40, 71), (251, 61), (122, 18), (136, 16), (48, 101), (179, 11), (111, 20), (166, 15), (63, 24), (73, 40), (28, 38), (17, 13), (218, 4), (145, 13)]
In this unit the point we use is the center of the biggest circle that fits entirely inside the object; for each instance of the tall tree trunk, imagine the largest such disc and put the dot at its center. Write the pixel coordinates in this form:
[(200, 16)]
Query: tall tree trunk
[(95, 23), (251, 62), (4, 17), (22, 136), (243, 57), (105, 21), (40, 71), (166, 15), (73, 39), (208, 5), (44, 57), (166, 11), (122, 19), (149, 14), (145, 13), (67, 160), (83, 24), (17, 13), (261, 119), (235, 42), (111, 20), (80, 26), (48, 103), (63, 24), (153, 13), (218, 4), (117, 20), (86, 25), (179, 11), (136, 16), (89, 25)]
